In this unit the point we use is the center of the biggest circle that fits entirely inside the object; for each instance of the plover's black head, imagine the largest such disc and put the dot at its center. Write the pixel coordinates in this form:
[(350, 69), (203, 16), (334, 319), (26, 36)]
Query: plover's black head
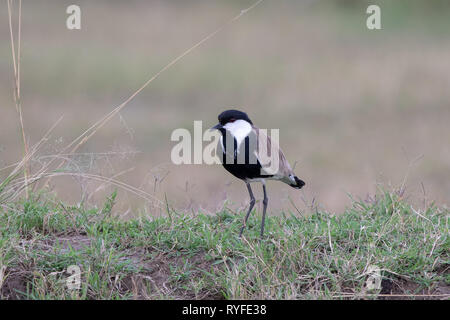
[(230, 117), (233, 115), (235, 122)]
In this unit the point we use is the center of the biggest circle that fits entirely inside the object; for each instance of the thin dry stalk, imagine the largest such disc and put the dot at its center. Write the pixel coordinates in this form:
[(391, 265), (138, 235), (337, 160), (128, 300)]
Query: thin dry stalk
[(49, 156), (103, 185), (7, 186), (136, 191), (16, 66)]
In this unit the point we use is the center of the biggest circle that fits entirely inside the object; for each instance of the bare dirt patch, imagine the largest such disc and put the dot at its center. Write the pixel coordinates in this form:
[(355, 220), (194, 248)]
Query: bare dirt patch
[(402, 289), (159, 277), (65, 242), (14, 285)]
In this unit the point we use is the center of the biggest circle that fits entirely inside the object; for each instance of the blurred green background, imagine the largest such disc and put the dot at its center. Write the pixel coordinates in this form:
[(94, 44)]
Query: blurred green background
[(355, 107)]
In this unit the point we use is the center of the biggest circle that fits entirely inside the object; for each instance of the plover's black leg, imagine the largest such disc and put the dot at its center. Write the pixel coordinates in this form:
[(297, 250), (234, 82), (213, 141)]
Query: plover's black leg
[(265, 201), (252, 203)]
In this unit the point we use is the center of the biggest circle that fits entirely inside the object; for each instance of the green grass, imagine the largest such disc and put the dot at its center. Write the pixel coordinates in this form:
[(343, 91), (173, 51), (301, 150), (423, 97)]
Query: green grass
[(179, 256)]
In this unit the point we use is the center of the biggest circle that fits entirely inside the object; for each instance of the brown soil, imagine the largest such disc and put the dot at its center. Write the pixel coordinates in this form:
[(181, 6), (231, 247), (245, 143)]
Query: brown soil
[(155, 279), (401, 289), (13, 285)]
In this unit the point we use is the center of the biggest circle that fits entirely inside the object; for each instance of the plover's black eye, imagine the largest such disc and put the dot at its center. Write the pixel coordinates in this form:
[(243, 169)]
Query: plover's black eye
[(232, 120)]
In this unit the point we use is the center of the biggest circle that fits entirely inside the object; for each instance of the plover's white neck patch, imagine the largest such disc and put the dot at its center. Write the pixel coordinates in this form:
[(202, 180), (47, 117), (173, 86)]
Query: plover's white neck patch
[(239, 129)]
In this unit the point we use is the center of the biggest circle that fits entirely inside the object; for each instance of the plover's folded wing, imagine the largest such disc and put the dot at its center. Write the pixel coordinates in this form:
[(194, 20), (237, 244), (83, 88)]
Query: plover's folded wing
[(271, 158)]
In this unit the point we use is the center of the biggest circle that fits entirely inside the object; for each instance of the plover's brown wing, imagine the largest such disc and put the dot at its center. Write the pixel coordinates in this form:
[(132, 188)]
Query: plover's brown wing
[(264, 150)]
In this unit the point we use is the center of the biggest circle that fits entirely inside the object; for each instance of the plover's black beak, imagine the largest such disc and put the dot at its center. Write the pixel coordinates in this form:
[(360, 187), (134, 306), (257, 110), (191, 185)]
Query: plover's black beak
[(216, 127)]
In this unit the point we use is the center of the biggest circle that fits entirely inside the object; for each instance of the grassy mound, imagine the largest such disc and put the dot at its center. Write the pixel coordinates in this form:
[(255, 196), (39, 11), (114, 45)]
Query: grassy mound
[(321, 256)]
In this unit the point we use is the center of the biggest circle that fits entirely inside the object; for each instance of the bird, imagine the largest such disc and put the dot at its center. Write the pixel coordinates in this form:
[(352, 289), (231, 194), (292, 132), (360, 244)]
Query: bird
[(242, 145)]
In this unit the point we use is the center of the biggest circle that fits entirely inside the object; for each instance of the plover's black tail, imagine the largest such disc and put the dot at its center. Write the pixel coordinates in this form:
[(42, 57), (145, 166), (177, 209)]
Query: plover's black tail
[(298, 183)]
